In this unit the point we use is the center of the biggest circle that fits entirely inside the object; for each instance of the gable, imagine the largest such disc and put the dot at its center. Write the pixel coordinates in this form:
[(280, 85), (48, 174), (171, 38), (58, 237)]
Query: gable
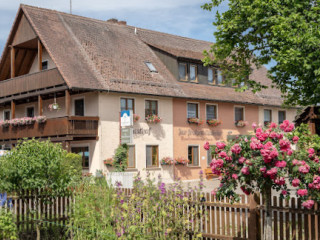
[(24, 32)]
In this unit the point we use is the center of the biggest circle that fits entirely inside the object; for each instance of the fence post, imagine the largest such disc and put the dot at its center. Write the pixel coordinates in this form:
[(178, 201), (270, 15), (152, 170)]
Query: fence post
[(253, 223)]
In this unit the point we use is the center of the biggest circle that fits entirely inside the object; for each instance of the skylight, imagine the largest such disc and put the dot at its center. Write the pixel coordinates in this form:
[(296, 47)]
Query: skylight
[(151, 67)]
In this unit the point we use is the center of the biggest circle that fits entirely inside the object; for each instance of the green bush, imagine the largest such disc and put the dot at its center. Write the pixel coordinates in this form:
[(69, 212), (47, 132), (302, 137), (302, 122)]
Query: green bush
[(72, 164), (8, 227), (120, 161)]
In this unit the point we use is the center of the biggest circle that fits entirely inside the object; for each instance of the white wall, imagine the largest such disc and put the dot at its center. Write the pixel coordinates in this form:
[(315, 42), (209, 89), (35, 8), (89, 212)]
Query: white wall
[(45, 57)]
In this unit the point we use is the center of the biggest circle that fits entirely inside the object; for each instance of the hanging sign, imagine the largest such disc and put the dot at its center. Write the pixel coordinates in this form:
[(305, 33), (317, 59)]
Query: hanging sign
[(126, 118), (126, 135)]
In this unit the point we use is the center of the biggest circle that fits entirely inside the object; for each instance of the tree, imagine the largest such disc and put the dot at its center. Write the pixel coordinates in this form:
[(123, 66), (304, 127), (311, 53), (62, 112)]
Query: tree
[(34, 165), (263, 162), (254, 33)]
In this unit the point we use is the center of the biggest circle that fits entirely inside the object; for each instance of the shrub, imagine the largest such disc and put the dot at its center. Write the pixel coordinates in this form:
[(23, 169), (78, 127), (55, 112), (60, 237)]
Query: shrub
[(120, 161), (72, 165), (8, 227)]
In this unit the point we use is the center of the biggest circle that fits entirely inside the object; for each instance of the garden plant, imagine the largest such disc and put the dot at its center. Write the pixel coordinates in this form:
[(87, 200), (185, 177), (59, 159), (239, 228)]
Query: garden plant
[(264, 162)]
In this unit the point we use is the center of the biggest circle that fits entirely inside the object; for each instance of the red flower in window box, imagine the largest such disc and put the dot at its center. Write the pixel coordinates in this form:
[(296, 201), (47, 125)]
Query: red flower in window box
[(153, 119), (136, 117), (213, 122), (108, 162), (167, 161), (241, 123), (197, 121), (181, 161)]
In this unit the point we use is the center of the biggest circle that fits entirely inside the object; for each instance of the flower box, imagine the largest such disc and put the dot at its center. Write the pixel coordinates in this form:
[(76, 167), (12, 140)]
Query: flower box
[(197, 121), (181, 161), (40, 119), (167, 161), (5, 124), (153, 119), (213, 122), (136, 117), (241, 123), (108, 162)]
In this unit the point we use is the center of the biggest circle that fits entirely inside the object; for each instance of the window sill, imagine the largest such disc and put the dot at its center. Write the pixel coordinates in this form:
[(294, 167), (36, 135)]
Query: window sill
[(131, 170), (195, 167), (153, 168)]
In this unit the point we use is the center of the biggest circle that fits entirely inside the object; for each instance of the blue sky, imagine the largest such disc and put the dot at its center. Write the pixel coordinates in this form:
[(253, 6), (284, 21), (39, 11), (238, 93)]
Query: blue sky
[(180, 17)]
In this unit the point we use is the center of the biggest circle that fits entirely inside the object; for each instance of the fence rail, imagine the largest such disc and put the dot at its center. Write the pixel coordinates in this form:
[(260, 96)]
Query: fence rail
[(222, 220)]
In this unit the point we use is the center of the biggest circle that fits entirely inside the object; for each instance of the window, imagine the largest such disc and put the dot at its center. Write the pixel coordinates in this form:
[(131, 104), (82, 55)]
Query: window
[(127, 104), (211, 111), (151, 107), (193, 73), (183, 71), (6, 115), (131, 156), (238, 114), (193, 155), (79, 107), (84, 153), (210, 76), (152, 156), (267, 116), (219, 77), (281, 116), (193, 110), (151, 67), (210, 155), (45, 65), (30, 111)]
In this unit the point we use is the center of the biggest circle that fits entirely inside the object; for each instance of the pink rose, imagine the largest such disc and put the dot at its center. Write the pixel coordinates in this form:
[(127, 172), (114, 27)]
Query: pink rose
[(254, 125), (214, 191), (284, 145), (284, 192), (273, 125), (248, 162), (281, 164), (206, 146), (302, 192), (308, 204), (241, 160), (304, 169), (235, 176), (286, 126), (255, 144), (280, 181), (289, 152), (295, 182), (236, 149), (311, 151), (245, 171), (223, 154), (295, 139), (263, 169), (272, 173), (220, 145), (295, 162)]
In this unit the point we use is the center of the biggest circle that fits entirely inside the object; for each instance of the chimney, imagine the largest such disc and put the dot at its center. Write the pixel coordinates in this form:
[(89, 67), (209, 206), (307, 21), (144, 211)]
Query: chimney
[(112, 20)]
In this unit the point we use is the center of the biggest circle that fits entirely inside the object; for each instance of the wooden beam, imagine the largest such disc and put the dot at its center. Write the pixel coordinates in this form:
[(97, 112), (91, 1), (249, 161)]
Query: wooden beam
[(13, 109), (13, 62), (40, 105), (67, 102), (39, 55)]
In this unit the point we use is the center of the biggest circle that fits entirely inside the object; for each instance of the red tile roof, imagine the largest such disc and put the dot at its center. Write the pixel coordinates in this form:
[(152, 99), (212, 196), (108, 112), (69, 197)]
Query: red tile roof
[(100, 55)]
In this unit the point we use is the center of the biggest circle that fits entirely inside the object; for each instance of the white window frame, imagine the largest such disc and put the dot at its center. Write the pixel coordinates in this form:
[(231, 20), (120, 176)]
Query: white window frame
[(74, 105), (6, 110), (234, 112), (26, 110), (196, 72), (198, 108), (194, 145), (212, 104)]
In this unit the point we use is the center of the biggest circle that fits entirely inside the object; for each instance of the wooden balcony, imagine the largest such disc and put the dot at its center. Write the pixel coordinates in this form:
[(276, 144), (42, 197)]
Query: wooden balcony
[(66, 128), (31, 82)]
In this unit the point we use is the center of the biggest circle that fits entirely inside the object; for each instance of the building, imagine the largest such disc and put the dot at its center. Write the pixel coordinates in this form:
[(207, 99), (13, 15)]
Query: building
[(80, 73), (311, 116)]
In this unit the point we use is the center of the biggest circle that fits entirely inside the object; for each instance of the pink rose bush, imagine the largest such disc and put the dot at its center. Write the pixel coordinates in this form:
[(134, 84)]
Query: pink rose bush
[(268, 160)]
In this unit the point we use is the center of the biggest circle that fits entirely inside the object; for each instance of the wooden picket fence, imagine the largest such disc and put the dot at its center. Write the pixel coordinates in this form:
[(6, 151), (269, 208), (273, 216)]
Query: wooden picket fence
[(222, 220)]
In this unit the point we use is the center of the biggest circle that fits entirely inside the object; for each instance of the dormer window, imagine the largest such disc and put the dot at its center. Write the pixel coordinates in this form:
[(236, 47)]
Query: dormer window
[(45, 65), (183, 71), (210, 76), (151, 67), (193, 73), (219, 77)]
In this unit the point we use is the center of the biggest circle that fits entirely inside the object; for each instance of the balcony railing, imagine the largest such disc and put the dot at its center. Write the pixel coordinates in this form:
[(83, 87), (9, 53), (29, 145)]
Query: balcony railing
[(54, 127), (31, 82)]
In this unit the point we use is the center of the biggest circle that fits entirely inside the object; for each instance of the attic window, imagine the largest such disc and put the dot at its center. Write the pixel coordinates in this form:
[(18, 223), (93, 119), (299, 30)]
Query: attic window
[(44, 65), (151, 67)]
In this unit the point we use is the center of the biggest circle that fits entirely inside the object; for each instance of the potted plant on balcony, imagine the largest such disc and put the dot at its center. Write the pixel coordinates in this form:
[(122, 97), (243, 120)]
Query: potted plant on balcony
[(197, 121), (241, 123), (5, 124), (136, 117), (153, 119), (54, 106), (213, 122), (40, 119), (14, 122), (167, 161), (181, 161)]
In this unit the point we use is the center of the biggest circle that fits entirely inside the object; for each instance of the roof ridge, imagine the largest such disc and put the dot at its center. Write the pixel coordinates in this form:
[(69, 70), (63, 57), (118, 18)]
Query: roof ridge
[(105, 21)]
